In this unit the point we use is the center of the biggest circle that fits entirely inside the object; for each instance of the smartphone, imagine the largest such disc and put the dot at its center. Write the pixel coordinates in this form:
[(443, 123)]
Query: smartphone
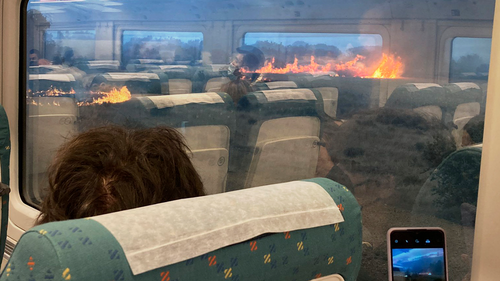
[(417, 254)]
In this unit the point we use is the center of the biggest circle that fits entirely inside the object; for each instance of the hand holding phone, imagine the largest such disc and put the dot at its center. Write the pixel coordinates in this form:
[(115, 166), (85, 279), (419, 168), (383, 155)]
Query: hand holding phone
[(417, 254)]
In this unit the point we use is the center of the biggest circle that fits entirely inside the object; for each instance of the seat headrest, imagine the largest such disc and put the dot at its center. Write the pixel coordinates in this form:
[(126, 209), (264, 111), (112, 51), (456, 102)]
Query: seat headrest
[(53, 77), (124, 76), (186, 228), (161, 102)]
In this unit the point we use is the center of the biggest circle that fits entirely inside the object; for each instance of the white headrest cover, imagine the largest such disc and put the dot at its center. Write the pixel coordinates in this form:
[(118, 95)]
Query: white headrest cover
[(53, 77), (98, 63), (123, 76), (176, 100), (421, 86), (146, 61), (289, 94), (167, 233), (281, 84), (173, 67), (465, 86)]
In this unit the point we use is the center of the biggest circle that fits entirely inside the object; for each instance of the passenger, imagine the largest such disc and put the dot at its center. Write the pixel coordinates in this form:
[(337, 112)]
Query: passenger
[(237, 89), (473, 131), (35, 59), (110, 169), (250, 58)]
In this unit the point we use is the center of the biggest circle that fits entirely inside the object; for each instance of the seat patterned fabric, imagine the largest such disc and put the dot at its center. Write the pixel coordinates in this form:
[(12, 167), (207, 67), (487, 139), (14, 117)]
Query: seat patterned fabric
[(85, 250)]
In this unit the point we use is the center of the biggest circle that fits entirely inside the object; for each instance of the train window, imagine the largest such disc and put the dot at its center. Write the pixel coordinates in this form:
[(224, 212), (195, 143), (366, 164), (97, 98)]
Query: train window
[(330, 51), (266, 92), (166, 47), (470, 59), (68, 46)]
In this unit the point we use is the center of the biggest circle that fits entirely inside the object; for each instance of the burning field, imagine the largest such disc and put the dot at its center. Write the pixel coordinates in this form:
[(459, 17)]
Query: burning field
[(389, 66)]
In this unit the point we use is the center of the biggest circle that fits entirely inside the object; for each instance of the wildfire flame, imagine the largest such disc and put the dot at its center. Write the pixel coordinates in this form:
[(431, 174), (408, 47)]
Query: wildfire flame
[(388, 67), (113, 96), (34, 102), (51, 92)]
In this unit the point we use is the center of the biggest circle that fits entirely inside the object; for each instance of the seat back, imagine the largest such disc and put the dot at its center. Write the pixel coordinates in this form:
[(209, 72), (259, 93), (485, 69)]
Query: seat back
[(53, 120), (99, 66), (137, 83), (463, 104), (206, 121), (451, 193), (45, 82), (270, 126), (426, 98), (275, 85), (295, 231), (354, 94), (179, 78)]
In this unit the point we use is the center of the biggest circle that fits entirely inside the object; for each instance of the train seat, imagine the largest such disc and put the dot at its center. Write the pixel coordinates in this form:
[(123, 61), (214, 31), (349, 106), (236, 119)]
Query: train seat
[(206, 121), (179, 79), (451, 193), (99, 66), (425, 98), (43, 69), (300, 230), (54, 120), (44, 82), (354, 94), (270, 125), (464, 103), (137, 65), (275, 85), (206, 79), (137, 83), (216, 83)]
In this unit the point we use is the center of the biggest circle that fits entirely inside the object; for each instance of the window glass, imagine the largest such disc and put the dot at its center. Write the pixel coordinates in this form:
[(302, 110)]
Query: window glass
[(331, 51), (67, 46), (470, 59), (266, 92), (169, 47)]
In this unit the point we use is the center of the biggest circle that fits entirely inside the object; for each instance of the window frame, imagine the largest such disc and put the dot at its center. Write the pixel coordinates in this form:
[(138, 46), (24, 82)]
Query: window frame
[(447, 34)]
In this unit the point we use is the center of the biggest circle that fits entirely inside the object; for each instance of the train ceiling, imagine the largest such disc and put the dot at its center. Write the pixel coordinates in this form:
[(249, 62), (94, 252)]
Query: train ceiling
[(195, 10)]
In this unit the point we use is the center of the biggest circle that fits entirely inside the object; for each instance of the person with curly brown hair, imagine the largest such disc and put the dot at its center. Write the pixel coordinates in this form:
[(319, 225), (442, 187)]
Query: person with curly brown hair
[(110, 169)]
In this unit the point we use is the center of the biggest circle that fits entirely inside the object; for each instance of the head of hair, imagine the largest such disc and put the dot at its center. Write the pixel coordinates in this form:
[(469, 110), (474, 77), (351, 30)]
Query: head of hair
[(475, 128), (110, 169), (237, 89), (397, 142), (35, 51)]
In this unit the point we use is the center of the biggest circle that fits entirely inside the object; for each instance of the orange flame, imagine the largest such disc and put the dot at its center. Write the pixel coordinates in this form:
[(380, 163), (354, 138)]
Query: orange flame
[(114, 96), (51, 92), (388, 67)]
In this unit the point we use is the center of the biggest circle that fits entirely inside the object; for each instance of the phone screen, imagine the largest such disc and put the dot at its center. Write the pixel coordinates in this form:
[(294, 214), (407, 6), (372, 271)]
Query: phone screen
[(418, 254)]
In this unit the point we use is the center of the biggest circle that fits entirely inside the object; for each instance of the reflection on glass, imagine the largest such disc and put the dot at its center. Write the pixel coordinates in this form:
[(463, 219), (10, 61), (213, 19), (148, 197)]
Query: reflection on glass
[(259, 103), (470, 59), (166, 47)]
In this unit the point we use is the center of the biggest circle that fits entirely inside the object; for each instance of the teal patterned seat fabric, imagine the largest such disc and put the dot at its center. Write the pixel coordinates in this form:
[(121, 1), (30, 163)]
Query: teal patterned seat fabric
[(86, 250)]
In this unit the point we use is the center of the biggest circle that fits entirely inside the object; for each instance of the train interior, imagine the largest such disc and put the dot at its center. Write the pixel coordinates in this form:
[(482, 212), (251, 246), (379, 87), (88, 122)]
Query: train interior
[(385, 98)]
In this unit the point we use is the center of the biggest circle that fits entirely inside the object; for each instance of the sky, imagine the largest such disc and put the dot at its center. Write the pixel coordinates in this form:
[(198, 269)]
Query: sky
[(462, 46)]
